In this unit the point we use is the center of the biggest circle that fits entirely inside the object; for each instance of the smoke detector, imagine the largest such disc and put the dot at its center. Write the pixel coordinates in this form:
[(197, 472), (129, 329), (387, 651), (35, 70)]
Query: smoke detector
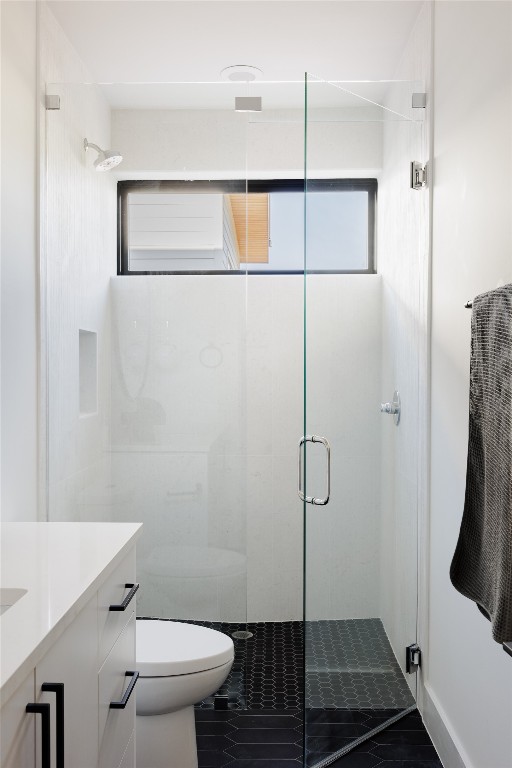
[(241, 73)]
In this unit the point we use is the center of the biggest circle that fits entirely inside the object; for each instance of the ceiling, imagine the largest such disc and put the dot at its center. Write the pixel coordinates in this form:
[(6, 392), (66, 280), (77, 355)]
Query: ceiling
[(157, 41)]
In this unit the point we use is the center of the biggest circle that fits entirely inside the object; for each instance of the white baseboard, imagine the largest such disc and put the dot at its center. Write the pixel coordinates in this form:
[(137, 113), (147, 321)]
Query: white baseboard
[(437, 728)]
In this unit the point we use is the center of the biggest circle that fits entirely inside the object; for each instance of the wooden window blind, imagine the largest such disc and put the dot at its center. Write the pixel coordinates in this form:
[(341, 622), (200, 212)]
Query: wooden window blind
[(250, 213)]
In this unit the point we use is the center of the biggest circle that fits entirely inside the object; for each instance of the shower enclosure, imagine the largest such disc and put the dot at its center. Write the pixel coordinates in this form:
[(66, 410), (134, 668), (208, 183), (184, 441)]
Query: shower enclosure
[(234, 407)]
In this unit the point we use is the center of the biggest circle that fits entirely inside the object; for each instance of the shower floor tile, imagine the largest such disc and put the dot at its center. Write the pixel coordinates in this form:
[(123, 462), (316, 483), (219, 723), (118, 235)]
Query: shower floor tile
[(349, 665)]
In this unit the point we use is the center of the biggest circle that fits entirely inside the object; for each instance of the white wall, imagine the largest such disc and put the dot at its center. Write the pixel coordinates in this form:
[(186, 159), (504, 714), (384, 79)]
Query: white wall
[(19, 473), (225, 144), (468, 677)]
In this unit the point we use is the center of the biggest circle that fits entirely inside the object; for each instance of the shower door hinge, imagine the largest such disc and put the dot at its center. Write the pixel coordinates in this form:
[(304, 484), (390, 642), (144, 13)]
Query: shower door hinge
[(418, 175), (412, 658), (419, 100)]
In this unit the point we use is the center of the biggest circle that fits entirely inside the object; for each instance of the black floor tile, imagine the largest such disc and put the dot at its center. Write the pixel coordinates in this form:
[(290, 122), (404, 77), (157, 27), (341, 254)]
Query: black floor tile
[(314, 716), (213, 743), (329, 744), (213, 727), (215, 715), (264, 736), (407, 723), (360, 760), (411, 764), (409, 752), (268, 676), (263, 764), (402, 737), (264, 751), (212, 759), (266, 721), (335, 730)]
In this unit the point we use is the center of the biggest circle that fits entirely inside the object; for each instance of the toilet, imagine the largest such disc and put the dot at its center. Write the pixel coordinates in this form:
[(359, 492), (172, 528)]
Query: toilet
[(179, 665)]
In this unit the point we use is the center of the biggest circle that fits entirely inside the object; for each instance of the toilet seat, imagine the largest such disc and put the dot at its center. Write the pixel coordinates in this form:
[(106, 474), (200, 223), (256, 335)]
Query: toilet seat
[(168, 648)]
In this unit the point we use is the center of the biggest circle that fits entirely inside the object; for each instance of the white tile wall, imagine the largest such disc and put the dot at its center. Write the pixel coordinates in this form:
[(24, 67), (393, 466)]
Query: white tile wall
[(179, 432), (343, 386), (232, 432)]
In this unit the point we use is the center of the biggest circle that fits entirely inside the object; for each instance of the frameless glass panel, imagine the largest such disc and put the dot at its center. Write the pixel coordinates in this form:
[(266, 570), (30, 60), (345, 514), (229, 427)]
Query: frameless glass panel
[(146, 375), (174, 399), (360, 470)]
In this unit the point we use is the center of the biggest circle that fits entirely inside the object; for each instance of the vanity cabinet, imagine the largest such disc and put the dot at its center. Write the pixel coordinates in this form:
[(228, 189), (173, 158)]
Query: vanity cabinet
[(73, 661), (90, 658), (17, 742)]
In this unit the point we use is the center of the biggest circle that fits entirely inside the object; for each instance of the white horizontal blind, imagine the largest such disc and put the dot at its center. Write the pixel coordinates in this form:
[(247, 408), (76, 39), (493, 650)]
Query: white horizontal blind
[(168, 222)]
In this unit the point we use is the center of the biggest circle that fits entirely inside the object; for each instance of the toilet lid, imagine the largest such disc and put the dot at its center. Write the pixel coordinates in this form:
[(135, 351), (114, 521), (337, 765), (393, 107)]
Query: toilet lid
[(167, 648)]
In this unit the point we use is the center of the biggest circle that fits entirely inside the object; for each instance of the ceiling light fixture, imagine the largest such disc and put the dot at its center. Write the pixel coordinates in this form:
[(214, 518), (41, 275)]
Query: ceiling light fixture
[(241, 73)]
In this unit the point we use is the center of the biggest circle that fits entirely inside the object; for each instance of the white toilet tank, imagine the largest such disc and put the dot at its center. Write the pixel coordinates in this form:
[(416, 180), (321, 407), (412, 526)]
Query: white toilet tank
[(196, 583)]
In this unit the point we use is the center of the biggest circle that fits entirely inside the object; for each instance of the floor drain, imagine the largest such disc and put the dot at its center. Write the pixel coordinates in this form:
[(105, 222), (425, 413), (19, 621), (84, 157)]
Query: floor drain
[(242, 634)]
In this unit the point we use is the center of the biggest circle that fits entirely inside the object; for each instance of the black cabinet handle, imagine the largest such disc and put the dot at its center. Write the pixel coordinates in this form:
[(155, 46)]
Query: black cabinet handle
[(124, 605), (58, 690), (44, 711), (124, 701)]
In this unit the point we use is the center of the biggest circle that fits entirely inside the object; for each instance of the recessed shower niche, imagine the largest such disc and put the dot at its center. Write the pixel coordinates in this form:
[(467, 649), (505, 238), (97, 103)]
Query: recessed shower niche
[(88, 372)]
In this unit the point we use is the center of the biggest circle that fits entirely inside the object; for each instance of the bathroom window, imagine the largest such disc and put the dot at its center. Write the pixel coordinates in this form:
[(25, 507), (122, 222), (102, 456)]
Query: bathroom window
[(172, 227)]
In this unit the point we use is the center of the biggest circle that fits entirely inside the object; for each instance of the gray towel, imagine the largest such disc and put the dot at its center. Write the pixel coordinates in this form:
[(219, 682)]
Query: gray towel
[(482, 564)]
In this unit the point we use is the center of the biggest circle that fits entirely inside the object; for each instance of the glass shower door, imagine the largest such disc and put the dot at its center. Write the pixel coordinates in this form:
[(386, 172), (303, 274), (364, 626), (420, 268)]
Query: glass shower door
[(358, 467)]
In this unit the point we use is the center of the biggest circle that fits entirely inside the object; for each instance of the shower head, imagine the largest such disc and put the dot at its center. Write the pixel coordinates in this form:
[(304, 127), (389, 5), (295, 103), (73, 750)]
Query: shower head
[(107, 158)]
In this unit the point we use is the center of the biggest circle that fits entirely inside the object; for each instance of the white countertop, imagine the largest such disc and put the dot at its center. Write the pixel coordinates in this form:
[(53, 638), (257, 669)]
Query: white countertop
[(61, 566)]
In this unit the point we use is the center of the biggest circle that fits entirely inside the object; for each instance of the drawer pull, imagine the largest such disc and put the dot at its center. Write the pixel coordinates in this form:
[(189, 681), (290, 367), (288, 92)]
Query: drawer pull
[(124, 605), (44, 711), (58, 690), (124, 701)]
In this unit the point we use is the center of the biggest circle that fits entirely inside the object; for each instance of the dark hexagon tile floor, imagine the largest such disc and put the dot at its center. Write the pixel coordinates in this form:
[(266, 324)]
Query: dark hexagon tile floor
[(349, 664)]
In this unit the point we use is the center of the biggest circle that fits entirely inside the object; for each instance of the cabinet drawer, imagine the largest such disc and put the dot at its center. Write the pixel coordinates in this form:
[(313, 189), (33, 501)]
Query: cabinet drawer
[(116, 725), (73, 660), (111, 623)]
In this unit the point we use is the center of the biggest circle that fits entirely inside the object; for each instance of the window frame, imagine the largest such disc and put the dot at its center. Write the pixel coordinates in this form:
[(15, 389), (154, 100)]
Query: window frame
[(233, 186)]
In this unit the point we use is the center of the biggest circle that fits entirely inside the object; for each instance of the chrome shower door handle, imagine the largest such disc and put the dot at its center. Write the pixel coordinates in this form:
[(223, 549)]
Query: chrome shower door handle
[(312, 499)]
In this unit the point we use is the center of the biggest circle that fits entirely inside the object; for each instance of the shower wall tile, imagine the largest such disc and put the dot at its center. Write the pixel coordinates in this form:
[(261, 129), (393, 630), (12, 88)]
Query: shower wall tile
[(259, 398), (287, 355), (207, 399), (343, 398)]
